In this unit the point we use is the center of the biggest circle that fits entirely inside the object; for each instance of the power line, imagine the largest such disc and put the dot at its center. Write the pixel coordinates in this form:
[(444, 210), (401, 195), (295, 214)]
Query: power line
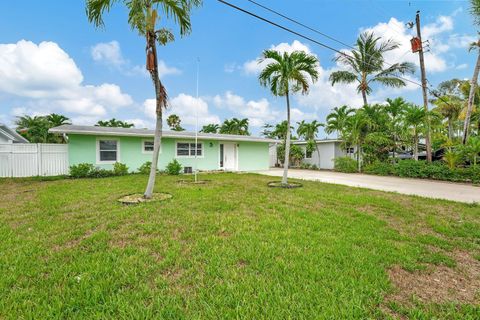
[(303, 36)]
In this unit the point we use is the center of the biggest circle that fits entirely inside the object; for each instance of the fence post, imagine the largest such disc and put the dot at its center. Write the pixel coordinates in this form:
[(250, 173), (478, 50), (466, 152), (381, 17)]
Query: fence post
[(39, 159)]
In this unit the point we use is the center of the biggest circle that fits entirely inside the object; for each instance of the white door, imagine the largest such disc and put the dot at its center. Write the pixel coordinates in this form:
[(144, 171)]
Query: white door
[(229, 157)]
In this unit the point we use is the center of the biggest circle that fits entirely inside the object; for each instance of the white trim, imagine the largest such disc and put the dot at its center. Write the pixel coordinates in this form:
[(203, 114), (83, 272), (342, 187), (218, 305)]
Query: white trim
[(97, 150), (189, 156), (220, 156)]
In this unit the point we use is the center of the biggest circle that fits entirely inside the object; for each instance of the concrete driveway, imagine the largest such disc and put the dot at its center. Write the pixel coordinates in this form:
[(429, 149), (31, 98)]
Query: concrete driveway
[(424, 188)]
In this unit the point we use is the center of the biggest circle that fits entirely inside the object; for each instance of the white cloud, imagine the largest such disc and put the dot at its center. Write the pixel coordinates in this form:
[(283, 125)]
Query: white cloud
[(186, 107), (141, 123), (258, 112), (396, 30), (48, 80), (254, 67), (110, 53), (462, 66), (461, 40)]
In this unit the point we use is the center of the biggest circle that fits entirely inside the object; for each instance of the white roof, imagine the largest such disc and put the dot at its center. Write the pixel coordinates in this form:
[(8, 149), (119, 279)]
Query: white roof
[(12, 134), (129, 132)]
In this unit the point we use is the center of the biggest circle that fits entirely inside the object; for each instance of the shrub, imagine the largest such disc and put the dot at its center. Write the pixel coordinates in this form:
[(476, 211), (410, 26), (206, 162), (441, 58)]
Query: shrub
[(81, 170), (296, 155), (411, 169), (145, 168), (174, 168), (380, 168), (314, 167), (120, 169), (305, 166), (345, 164), (101, 173)]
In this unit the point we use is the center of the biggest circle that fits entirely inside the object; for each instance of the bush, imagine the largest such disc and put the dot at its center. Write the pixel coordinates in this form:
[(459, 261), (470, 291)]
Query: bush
[(380, 168), (411, 169), (81, 170), (345, 164), (101, 173), (296, 155), (145, 168), (120, 169), (305, 166), (174, 168)]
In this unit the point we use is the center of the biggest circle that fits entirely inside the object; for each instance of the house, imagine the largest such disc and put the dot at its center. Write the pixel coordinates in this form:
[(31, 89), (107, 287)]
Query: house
[(329, 149), (103, 146), (8, 135)]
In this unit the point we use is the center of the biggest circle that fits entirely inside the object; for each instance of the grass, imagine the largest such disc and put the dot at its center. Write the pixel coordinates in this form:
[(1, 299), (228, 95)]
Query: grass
[(232, 248)]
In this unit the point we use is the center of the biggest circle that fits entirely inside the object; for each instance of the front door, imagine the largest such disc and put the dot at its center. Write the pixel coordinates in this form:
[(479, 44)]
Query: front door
[(229, 156)]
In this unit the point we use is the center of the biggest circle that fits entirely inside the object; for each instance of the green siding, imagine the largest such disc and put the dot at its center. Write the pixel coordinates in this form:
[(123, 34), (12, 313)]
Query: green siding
[(251, 155)]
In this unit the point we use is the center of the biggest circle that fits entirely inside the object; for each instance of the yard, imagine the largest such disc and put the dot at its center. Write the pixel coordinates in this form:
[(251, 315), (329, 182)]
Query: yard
[(233, 248)]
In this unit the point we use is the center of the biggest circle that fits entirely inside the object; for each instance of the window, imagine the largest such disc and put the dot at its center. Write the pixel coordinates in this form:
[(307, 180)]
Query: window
[(147, 146), (185, 149), (107, 151), (350, 150)]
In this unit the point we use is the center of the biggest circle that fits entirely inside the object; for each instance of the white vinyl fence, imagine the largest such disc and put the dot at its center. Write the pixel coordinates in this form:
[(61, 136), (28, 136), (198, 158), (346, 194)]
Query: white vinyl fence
[(32, 159)]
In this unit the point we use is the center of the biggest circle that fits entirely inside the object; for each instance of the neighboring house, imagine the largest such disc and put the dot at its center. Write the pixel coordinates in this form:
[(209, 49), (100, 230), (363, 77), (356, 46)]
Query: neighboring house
[(8, 135), (103, 146), (329, 149)]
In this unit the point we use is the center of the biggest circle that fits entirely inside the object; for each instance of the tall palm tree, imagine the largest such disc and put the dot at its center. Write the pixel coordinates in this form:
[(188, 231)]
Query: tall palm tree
[(114, 123), (366, 65), (34, 129), (414, 118), (309, 131), (395, 108), (56, 120), (475, 11), (355, 132), (143, 16), (336, 120), (279, 131), (449, 107), (284, 74)]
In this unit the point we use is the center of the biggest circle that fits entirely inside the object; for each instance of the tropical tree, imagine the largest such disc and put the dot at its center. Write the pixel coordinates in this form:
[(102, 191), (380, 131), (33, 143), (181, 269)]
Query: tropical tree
[(337, 119), (35, 129), (173, 122), (235, 126), (309, 131), (143, 16), (114, 123), (473, 149), (210, 128), (475, 11), (414, 119), (285, 74), (394, 109), (279, 131), (366, 65), (450, 108), (356, 129)]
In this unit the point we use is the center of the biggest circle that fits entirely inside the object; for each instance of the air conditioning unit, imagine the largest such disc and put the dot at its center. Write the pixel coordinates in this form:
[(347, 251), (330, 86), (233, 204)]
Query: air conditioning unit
[(187, 170)]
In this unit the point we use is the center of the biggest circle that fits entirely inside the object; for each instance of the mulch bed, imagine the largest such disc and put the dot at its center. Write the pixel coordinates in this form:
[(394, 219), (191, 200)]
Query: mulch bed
[(137, 198), (289, 185)]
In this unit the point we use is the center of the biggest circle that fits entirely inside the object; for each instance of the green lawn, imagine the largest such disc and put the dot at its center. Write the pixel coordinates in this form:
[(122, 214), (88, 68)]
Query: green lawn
[(232, 248)]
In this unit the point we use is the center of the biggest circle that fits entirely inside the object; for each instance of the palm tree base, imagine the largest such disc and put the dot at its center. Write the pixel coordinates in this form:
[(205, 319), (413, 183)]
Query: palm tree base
[(289, 185)]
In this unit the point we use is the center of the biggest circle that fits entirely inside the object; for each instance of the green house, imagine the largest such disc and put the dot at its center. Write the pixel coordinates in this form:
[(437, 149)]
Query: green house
[(103, 146)]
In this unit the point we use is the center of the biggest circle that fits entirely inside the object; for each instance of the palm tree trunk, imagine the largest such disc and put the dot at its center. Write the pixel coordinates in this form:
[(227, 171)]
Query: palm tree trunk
[(415, 148), (450, 129), (287, 144), (359, 165), (394, 147), (471, 97), (364, 96), (318, 154), (160, 96)]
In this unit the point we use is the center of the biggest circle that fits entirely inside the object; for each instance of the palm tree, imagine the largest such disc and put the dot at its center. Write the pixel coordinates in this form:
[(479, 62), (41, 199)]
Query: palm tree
[(336, 120), (143, 16), (56, 120), (473, 149), (414, 118), (279, 131), (173, 122), (34, 129), (235, 126), (309, 131), (475, 11), (210, 128), (394, 109), (356, 129), (366, 65), (449, 107), (284, 74), (114, 123)]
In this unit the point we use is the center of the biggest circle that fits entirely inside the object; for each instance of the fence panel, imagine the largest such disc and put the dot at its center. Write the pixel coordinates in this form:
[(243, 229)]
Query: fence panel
[(29, 159)]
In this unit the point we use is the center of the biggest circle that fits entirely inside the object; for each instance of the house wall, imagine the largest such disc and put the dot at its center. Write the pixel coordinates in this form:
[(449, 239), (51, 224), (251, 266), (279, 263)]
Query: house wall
[(251, 155), (328, 152), (4, 139)]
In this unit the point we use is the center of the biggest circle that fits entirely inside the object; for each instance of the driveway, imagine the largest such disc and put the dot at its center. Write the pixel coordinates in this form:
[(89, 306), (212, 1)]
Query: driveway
[(424, 188)]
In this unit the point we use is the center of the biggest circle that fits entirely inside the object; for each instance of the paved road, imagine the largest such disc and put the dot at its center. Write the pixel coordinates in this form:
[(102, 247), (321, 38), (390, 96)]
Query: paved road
[(425, 188)]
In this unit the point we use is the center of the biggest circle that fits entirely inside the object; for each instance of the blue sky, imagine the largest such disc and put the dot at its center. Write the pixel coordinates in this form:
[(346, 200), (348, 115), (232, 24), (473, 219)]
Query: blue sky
[(53, 60)]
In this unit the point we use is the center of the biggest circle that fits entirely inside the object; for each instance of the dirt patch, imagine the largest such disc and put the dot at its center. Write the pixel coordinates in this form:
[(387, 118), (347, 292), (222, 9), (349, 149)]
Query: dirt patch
[(74, 242), (438, 284)]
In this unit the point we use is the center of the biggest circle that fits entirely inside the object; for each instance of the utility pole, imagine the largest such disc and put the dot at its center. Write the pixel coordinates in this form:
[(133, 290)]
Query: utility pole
[(424, 87)]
